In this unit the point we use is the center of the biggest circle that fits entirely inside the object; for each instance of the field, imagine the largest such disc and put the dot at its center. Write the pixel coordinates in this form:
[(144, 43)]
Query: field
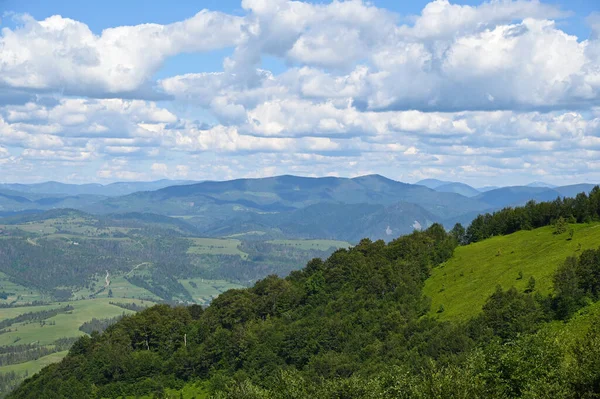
[(62, 325), (463, 284), (319, 245), (119, 286), (216, 246), (19, 294), (67, 324), (32, 367), (203, 291), (68, 226)]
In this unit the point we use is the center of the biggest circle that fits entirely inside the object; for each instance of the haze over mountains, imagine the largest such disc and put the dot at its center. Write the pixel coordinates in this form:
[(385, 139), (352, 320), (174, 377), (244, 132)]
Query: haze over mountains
[(287, 206), (108, 190)]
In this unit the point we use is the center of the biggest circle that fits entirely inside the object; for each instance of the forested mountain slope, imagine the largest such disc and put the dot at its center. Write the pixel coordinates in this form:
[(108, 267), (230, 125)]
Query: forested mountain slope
[(353, 326), (361, 324), (377, 207)]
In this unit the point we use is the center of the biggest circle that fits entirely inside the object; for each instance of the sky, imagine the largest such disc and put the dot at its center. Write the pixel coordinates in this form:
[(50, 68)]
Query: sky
[(503, 92)]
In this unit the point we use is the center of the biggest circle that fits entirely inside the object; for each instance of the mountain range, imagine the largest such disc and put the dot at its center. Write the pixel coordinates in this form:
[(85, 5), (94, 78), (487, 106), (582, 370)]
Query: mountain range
[(287, 206)]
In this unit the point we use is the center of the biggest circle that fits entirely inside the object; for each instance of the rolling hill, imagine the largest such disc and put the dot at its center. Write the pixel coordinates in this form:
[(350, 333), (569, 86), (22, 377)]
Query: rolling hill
[(518, 195), (270, 201), (349, 222), (458, 188), (355, 325), (541, 184), (282, 206), (464, 282)]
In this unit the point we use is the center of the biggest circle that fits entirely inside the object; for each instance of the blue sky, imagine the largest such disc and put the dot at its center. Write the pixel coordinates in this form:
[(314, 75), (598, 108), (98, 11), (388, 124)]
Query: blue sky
[(505, 92)]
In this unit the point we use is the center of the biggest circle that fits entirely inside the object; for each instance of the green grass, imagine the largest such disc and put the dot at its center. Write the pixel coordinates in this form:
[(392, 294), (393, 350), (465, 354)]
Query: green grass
[(206, 290), (463, 284), (9, 313), (119, 285), (247, 233), (34, 366), (320, 245), (22, 295), (216, 246), (67, 325)]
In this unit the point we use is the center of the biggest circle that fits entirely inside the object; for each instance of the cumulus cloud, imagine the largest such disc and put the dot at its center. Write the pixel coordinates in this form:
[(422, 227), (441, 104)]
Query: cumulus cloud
[(4, 152), (499, 55), (298, 136), (63, 54), (457, 91)]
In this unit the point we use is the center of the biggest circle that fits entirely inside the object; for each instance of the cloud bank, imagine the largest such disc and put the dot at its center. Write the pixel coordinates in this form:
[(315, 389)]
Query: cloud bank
[(470, 93)]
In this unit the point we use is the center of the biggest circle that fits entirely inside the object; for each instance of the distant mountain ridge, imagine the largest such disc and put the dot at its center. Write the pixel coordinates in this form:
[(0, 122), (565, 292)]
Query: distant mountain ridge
[(109, 190), (287, 206), (449, 187)]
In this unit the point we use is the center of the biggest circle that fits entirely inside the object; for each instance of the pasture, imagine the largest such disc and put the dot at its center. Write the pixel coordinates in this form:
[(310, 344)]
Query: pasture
[(307, 245), (463, 283), (203, 290), (216, 246)]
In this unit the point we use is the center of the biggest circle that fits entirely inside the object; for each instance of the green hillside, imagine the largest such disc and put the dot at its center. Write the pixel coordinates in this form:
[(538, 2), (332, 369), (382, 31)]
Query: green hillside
[(65, 325), (352, 326), (463, 284)]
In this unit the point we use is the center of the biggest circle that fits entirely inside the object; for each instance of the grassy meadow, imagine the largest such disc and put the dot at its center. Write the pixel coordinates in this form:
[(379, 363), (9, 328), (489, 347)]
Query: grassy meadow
[(319, 245), (216, 246), (203, 291), (66, 324), (463, 283), (62, 325)]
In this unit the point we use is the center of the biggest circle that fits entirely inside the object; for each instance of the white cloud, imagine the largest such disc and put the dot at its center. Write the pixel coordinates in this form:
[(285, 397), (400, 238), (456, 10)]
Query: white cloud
[(160, 169), (440, 18), (461, 91), (4, 152), (57, 155), (62, 54)]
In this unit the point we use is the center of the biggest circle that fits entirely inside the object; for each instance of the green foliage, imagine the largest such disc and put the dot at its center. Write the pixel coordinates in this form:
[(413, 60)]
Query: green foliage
[(560, 226), (317, 320), (508, 314), (459, 233), (352, 326), (530, 285), (576, 282), (560, 212), (585, 373)]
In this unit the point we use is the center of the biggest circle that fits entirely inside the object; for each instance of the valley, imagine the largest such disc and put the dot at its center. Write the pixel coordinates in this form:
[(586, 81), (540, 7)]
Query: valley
[(67, 272), (94, 263)]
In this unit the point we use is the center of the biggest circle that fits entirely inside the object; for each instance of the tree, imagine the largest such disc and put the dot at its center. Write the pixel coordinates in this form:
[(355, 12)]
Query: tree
[(459, 233), (569, 295), (560, 226), (530, 285), (509, 313)]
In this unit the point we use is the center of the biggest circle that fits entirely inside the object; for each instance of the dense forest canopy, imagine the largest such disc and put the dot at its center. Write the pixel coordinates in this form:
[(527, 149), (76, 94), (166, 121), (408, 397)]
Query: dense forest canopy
[(352, 326)]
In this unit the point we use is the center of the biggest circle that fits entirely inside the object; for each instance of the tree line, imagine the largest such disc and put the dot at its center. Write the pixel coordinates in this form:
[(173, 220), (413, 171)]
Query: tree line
[(355, 325), (581, 209)]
